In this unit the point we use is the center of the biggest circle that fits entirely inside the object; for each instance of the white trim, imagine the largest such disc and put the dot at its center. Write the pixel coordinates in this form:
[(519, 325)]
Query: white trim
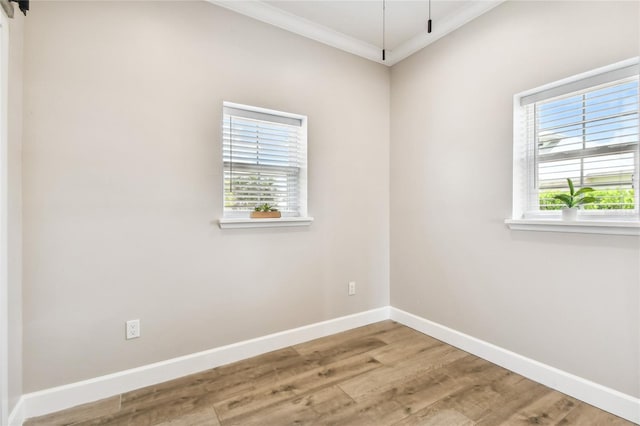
[(618, 403), (236, 223), (58, 398), (442, 27), (524, 163), (618, 227), (17, 417), (628, 65), (61, 397), (288, 21), (7, 8), (4, 230), (295, 165), (266, 111)]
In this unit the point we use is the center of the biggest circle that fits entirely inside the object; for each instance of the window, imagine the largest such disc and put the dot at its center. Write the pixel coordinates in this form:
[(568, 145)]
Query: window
[(584, 128), (265, 160)]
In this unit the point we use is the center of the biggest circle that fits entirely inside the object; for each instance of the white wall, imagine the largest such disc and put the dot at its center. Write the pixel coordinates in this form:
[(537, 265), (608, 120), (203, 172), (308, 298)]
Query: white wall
[(570, 301), (122, 185)]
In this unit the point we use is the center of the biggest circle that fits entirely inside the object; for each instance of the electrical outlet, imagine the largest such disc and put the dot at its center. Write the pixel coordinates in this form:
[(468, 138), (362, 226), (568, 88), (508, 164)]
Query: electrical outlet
[(352, 288), (133, 329)]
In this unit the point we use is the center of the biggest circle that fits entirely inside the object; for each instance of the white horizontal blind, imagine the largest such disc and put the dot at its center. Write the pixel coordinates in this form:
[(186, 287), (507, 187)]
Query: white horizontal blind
[(264, 160), (590, 136)]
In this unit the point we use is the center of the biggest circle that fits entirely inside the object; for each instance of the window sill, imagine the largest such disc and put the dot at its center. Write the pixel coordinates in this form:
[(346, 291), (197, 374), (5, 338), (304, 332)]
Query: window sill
[(245, 222), (610, 227)]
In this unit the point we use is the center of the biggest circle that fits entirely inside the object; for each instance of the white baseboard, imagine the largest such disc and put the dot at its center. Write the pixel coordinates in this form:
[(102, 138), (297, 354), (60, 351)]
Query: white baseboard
[(16, 416), (58, 398), (61, 397), (618, 403)]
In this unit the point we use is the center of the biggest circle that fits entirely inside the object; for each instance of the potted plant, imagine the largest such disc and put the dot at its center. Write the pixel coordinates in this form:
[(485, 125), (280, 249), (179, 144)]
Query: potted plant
[(573, 200), (265, 211)]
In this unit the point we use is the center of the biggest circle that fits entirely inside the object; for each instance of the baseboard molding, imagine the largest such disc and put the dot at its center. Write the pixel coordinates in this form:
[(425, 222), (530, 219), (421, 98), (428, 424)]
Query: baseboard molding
[(61, 397), (16, 416), (607, 399), (58, 398)]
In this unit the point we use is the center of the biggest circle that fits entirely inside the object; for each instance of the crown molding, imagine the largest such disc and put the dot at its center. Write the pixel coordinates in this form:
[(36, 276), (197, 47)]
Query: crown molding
[(442, 27), (264, 12), (287, 21)]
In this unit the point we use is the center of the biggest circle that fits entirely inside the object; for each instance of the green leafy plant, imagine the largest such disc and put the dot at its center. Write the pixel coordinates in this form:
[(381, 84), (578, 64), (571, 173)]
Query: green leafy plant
[(265, 208), (608, 199), (576, 198)]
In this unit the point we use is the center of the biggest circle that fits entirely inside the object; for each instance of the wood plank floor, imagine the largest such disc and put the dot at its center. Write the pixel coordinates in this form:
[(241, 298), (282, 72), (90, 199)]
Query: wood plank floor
[(381, 374)]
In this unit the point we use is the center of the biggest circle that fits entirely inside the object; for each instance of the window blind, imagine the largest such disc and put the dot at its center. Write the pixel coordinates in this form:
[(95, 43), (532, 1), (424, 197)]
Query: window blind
[(586, 83), (264, 161), (588, 135)]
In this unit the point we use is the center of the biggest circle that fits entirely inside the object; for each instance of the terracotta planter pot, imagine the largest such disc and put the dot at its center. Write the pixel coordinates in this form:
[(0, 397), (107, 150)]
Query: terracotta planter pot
[(265, 215)]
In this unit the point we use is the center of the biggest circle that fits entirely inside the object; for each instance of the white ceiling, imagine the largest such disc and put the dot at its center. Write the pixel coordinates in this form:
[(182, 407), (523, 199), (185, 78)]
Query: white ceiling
[(356, 25)]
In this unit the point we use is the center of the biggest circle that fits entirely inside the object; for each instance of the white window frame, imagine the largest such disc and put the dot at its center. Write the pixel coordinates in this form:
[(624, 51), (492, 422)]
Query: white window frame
[(235, 219), (599, 222)]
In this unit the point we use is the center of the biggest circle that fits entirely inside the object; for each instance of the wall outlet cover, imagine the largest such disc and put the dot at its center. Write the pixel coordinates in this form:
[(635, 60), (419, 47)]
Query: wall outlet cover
[(352, 288), (132, 329)]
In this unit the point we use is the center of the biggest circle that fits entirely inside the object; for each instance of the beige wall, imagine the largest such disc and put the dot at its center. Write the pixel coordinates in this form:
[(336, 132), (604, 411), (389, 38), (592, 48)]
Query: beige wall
[(121, 189), (122, 185), (14, 217), (570, 301)]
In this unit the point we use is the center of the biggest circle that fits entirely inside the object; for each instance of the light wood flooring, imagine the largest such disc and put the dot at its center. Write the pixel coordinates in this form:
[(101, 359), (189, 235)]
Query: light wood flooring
[(381, 374)]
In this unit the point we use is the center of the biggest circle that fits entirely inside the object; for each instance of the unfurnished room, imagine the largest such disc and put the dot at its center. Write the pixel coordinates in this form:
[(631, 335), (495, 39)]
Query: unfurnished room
[(319, 212)]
